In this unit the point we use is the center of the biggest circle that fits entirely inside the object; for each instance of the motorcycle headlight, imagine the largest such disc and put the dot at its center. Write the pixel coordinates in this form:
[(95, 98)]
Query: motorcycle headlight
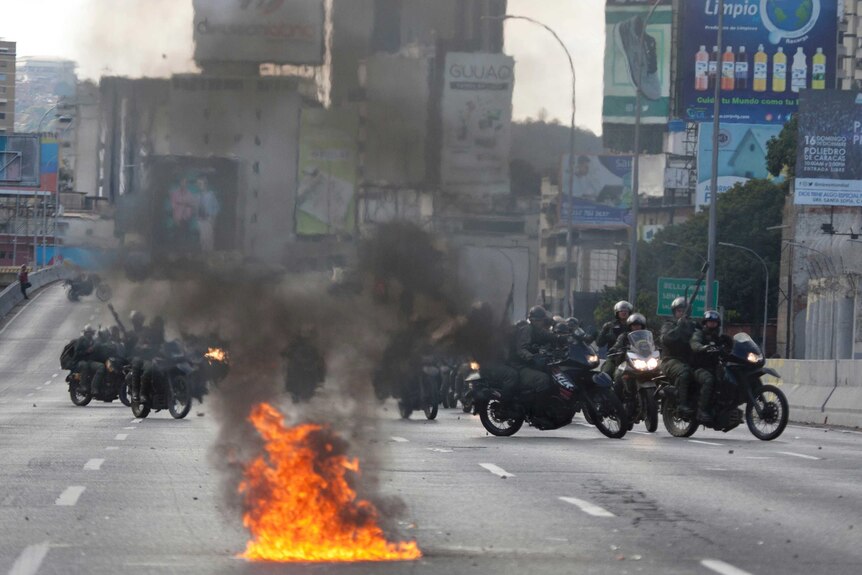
[(592, 359), (640, 365), (474, 365), (754, 358), (652, 363)]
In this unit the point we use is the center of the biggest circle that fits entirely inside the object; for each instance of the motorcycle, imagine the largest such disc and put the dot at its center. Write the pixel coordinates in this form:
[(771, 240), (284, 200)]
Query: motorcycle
[(113, 385), (738, 382), (448, 382), (76, 288), (174, 373), (637, 376), (424, 394), (575, 387)]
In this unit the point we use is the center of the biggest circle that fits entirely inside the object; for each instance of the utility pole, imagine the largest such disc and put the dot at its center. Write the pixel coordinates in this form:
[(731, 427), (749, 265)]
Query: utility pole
[(713, 192)]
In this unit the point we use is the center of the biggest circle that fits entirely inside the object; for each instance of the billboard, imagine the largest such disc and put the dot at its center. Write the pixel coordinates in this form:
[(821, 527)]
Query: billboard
[(477, 121), (602, 191), (193, 204), (19, 160), (772, 50), (671, 288), (829, 150), (326, 192), (259, 31), (741, 156), (627, 59)]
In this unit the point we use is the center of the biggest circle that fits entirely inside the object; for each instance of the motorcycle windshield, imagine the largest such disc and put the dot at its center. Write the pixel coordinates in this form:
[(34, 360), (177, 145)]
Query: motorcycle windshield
[(582, 352), (641, 343), (743, 345)]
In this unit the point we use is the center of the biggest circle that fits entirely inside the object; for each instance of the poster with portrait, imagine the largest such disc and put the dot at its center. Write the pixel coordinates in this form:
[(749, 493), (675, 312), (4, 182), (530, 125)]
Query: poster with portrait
[(192, 203)]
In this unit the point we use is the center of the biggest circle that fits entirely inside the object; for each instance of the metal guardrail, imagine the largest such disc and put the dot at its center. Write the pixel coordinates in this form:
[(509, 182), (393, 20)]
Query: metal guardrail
[(11, 296)]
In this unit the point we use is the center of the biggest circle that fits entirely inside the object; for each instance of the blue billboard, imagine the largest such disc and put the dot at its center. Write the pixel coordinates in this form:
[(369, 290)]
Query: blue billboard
[(602, 191), (772, 49)]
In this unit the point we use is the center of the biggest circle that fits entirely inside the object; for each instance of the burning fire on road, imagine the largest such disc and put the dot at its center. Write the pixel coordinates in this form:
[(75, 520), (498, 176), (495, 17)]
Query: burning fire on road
[(299, 504)]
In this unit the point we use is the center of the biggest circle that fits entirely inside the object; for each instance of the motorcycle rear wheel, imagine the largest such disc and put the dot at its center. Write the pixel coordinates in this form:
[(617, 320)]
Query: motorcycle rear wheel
[(648, 398), (676, 426), (179, 397), (610, 417), (80, 397), (775, 413), (492, 421)]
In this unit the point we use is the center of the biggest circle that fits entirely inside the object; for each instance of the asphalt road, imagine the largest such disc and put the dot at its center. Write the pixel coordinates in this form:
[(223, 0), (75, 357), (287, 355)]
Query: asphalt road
[(91, 490)]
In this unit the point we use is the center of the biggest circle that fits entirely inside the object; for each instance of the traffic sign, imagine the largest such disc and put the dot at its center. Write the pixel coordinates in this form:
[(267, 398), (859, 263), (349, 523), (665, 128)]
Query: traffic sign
[(671, 288)]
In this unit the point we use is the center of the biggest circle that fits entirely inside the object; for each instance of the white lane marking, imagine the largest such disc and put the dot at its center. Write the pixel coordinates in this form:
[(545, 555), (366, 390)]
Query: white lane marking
[(640, 432), (55, 375), (399, 440), (30, 559), (499, 471), (121, 436), (47, 382), (29, 395), (137, 420), (111, 448), (70, 496), (799, 455), (705, 442), (849, 431), (94, 464), (722, 567), (131, 427), (587, 507), (715, 469), (439, 450), (14, 317)]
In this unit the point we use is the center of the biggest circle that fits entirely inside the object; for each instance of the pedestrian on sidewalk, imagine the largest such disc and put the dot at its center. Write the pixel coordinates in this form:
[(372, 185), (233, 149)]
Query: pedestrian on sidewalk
[(23, 280)]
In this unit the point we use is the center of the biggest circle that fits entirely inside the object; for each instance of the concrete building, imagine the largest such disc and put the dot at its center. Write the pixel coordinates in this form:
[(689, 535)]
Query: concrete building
[(7, 87), (850, 46)]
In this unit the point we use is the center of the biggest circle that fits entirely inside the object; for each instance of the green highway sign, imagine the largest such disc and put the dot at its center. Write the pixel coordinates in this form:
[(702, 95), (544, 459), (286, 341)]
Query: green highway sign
[(671, 288)]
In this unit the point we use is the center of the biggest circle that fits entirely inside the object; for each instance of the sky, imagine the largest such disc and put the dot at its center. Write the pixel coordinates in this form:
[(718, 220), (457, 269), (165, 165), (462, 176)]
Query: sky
[(154, 37)]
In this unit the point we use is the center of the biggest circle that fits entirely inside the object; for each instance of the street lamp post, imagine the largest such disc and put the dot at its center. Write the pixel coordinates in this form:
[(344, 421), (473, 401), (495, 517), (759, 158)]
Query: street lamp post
[(569, 230), (685, 249), (633, 251), (35, 196), (713, 193), (765, 291)]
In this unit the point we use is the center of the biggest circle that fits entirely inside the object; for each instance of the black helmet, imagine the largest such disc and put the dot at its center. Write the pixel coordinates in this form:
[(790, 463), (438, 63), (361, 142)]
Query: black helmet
[(89, 330), (137, 318), (679, 302), (573, 322), (636, 318), (623, 305), (563, 328), (711, 315), (537, 314)]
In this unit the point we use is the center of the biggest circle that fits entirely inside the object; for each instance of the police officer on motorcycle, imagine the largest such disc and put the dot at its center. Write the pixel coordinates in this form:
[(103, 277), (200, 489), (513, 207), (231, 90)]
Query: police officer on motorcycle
[(675, 341), (706, 346), (530, 337), (146, 348), (90, 369), (617, 352), (612, 330)]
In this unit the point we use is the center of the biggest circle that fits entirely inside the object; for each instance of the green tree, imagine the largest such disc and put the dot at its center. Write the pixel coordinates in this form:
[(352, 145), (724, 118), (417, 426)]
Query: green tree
[(744, 213), (781, 150)]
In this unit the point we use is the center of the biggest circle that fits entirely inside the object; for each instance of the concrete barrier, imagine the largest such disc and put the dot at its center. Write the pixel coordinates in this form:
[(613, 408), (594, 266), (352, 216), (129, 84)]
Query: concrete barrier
[(11, 296), (821, 391)]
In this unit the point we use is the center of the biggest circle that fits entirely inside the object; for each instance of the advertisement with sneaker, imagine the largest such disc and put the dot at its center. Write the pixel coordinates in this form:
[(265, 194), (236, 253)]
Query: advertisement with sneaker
[(636, 55), (771, 50)]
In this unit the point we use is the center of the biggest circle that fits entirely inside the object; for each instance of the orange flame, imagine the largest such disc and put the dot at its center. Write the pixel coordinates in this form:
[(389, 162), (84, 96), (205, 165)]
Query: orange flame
[(299, 504), (216, 354)]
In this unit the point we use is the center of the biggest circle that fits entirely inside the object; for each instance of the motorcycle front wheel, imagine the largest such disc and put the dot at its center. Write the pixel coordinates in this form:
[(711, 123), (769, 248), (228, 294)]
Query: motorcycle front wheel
[(104, 292), (494, 420), (608, 414), (140, 410), (124, 394), (649, 401), (769, 422), (79, 397), (180, 397), (71, 294), (674, 425)]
